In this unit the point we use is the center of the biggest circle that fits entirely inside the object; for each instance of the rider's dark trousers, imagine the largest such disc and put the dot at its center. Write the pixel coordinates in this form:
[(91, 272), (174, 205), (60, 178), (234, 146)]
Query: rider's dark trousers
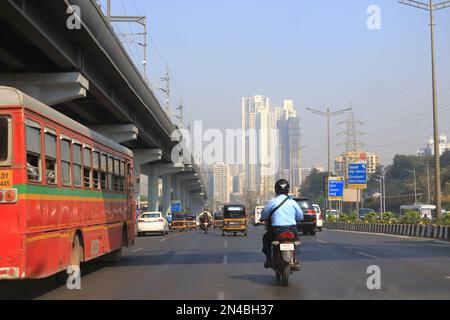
[(271, 235)]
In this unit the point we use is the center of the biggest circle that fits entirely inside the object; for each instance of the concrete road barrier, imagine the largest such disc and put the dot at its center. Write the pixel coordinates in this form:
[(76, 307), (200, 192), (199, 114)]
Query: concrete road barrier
[(418, 230)]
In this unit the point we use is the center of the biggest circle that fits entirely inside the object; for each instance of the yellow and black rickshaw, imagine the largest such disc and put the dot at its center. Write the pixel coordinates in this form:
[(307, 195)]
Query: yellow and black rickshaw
[(179, 222), (218, 220), (234, 220), (191, 221)]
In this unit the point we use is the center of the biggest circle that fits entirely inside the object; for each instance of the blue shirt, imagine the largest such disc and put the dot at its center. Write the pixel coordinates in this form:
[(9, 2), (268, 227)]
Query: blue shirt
[(288, 215)]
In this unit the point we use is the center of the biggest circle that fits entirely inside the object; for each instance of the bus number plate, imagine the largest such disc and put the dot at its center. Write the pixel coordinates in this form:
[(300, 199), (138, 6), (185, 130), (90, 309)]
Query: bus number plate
[(6, 179)]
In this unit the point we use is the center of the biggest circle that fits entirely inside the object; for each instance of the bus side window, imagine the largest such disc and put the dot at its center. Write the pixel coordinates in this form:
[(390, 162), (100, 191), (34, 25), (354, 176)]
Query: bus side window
[(34, 152), (111, 174), (104, 169), (116, 175), (50, 157), (96, 169), (87, 167), (66, 175), (77, 165), (122, 176)]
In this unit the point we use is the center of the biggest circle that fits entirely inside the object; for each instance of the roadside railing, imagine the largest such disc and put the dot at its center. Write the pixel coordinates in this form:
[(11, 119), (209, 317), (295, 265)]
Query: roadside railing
[(412, 230)]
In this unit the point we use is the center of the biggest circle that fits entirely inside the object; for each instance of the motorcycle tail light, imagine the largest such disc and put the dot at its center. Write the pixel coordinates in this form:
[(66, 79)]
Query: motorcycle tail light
[(287, 235), (1, 196)]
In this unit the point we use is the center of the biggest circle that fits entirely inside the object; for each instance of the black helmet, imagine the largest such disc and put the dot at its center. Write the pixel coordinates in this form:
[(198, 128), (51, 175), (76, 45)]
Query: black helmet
[(282, 187)]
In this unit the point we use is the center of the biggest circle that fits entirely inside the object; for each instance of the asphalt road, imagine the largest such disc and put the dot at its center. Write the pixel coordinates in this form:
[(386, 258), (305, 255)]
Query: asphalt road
[(193, 266)]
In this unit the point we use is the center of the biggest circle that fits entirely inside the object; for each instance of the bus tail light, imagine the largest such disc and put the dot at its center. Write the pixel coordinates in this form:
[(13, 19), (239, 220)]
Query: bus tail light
[(8, 196)]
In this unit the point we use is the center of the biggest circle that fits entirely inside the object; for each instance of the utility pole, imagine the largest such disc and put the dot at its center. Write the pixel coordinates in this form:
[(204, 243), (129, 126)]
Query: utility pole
[(328, 115), (431, 7), (428, 182), (141, 20), (167, 91)]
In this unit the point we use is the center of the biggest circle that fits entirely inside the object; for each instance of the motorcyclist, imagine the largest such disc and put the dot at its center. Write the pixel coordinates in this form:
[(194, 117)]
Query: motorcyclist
[(205, 216), (280, 213)]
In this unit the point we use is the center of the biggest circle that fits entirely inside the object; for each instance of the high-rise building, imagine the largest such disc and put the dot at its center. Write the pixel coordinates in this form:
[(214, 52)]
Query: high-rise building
[(221, 185), (289, 144), (444, 146), (259, 143)]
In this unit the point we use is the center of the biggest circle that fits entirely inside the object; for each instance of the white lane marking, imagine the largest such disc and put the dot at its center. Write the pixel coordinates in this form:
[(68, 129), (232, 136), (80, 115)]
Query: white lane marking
[(321, 241), (225, 260), (381, 234), (221, 296), (226, 244), (367, 255), (137, 250), (162, 240), (442, 242)]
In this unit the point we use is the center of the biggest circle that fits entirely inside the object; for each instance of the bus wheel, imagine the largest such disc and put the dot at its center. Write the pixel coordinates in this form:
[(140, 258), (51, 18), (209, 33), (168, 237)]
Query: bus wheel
[(75, 257)]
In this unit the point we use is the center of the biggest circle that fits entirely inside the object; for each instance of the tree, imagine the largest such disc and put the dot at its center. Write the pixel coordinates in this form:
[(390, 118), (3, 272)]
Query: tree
[(314, 185)]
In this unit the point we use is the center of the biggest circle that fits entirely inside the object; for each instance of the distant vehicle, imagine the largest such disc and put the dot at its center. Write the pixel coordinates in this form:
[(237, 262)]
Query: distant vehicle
[(363, 212), (179, 222), (218, 220), (320, 217), (191, 221), (258, 212), (425, 210), (309, 223), (332, 213), (235, 220), (152, 222)]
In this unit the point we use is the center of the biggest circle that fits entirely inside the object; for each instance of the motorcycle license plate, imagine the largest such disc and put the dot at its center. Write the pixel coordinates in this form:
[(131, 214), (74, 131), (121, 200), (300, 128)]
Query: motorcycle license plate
[(287, 247)]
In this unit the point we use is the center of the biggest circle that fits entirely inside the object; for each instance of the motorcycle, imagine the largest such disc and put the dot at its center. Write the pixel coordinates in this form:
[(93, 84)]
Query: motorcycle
[(284, 256)]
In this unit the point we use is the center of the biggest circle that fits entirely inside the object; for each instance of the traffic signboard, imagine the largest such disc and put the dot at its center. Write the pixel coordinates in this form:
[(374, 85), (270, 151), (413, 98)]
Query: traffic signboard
[(176, 207), (336, 188), (357, 176)]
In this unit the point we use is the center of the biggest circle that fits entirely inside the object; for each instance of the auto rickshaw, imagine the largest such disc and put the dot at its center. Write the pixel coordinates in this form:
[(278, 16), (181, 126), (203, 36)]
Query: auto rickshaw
[(234, 220), (218, 220), (179, 222), (191, 221)]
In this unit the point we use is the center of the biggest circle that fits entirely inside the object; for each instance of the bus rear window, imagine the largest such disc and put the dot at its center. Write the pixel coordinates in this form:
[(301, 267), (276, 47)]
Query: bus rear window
[(5, 140)]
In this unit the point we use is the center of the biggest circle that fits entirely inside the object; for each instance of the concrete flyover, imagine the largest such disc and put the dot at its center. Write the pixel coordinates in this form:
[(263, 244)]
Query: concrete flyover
[(87, 74)]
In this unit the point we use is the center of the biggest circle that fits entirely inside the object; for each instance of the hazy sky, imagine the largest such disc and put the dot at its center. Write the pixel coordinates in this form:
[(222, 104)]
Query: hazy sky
[(318, 53)]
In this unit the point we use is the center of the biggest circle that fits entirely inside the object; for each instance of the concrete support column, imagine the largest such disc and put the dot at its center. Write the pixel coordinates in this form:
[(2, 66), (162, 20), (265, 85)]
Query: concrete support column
[(153, 184), (167, 194)]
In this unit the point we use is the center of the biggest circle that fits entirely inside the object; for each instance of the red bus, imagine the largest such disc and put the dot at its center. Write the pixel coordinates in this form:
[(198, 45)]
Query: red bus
[(66, 192)]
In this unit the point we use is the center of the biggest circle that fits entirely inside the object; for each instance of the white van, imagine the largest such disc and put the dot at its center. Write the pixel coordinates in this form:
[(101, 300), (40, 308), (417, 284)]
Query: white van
[(258, 212), (425, 210), (319, 217)]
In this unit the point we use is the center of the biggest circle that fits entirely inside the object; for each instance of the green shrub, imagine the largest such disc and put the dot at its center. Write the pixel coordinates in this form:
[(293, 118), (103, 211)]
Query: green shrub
[(371, 217), (410, 217), (344, 218), (353, 217), (444, 221), (387, 217), (331, 219)]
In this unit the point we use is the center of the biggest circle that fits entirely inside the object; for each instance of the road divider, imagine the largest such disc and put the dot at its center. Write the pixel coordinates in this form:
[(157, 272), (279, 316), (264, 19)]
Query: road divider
[(417, 230)]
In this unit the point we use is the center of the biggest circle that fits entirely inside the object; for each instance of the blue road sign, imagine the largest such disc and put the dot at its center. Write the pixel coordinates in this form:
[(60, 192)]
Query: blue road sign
[(176, 207), (357, 176), (336, 188)]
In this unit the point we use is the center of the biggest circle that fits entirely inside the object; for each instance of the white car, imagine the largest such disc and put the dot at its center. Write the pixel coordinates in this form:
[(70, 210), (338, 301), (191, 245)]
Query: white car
[(319, 217), (152, 222)]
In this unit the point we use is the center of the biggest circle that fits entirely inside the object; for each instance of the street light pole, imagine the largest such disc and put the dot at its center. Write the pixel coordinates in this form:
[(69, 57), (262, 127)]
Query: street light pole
[(431, 7), (328, 115)]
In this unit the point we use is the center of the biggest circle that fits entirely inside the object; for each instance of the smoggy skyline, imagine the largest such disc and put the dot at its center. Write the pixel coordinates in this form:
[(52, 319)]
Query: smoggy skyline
[(319, 54)]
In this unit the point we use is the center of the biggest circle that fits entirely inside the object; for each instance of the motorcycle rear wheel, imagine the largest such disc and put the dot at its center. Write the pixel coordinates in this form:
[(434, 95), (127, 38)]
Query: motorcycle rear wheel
[(285, 276)]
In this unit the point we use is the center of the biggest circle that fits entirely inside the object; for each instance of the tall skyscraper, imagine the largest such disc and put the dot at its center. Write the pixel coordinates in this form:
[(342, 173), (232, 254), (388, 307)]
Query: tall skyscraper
[(222, 187), (288, 125), (259, 143)]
